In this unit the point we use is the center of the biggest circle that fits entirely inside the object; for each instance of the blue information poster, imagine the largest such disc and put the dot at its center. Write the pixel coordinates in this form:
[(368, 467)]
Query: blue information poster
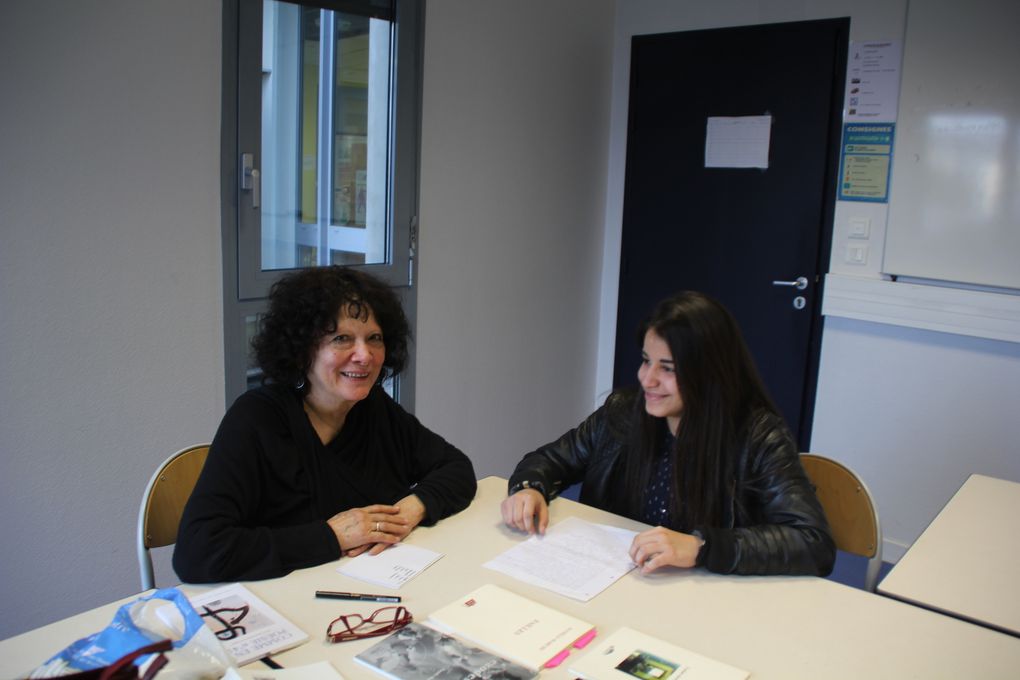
[(865, 162)]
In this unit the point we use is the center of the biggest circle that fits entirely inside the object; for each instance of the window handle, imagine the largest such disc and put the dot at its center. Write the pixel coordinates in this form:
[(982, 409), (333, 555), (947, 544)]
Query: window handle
[(251, 179)]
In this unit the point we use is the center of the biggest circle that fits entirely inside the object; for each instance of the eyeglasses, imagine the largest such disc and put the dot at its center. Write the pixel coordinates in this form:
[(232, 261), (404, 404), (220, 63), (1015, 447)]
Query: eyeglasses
[(381, 622)]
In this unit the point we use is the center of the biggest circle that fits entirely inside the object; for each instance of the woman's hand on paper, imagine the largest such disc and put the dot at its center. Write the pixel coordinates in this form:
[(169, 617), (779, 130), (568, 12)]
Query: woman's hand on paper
[(526, 510), (661, 547)]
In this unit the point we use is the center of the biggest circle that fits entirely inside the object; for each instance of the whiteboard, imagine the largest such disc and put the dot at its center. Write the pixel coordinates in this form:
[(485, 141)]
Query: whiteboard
[(954, 206)]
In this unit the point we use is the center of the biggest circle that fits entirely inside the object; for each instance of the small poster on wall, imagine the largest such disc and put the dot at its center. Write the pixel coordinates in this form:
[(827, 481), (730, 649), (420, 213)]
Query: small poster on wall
[(866, 161), (872, 81)]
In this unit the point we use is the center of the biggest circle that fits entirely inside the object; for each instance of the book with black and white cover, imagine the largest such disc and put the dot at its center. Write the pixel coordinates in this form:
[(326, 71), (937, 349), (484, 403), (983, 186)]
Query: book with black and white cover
[(247, 627), (420, 652), (627, 654), (514, 627)]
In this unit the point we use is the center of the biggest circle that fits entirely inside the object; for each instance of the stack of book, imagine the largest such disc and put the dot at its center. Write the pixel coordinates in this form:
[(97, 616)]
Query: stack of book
[(489, 633), (494, 633)]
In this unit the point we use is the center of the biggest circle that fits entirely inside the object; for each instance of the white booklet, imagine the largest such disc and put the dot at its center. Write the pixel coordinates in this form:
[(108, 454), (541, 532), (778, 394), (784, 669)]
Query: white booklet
[(628, 653), (247, 627), (391, 568), (575, 558), (514, 627)]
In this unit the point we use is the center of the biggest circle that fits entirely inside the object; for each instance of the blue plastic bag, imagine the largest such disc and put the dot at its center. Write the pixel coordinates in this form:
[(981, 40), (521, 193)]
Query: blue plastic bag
[(165, 614)]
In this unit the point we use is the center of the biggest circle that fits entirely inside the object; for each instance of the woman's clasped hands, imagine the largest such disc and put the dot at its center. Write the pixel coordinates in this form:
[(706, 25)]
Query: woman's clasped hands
[(374, 528)]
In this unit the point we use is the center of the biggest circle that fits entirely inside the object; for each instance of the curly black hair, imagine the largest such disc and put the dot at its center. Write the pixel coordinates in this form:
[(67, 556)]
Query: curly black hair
[(304, 306)]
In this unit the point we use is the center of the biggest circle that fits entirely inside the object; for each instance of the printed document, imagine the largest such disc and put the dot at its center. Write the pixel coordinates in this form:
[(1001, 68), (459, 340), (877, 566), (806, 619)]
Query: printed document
[(575, 558)]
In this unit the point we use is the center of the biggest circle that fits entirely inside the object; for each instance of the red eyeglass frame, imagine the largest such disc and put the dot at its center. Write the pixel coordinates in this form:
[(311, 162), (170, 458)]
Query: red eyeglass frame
[(401, 617)]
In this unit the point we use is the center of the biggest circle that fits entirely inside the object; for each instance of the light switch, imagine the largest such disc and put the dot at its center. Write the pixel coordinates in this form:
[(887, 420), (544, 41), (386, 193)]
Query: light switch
[(857, 254), (860, 227)]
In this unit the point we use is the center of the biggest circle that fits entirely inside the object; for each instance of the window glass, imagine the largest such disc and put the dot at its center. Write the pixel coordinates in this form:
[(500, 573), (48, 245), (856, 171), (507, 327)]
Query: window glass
[(325, 137)]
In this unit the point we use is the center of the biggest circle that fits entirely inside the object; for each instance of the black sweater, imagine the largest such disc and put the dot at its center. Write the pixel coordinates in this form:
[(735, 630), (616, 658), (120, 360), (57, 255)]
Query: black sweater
[(260, 506)]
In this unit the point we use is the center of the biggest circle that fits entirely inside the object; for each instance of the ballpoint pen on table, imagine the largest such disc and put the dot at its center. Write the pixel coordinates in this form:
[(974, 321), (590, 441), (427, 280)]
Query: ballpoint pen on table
[(366, 597)]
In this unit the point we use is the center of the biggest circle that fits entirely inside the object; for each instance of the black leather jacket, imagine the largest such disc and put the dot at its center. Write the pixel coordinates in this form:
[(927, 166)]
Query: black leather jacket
[(775, 524)]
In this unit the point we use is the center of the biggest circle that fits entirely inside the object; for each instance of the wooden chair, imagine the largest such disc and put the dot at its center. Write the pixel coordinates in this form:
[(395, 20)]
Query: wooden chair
[(163, 504), (850, 510)]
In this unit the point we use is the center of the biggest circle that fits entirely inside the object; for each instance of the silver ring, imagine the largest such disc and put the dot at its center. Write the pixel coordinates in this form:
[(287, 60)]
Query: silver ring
[(377, 527)]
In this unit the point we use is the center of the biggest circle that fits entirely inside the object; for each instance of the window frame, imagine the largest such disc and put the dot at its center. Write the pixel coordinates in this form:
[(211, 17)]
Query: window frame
[(240, 300)]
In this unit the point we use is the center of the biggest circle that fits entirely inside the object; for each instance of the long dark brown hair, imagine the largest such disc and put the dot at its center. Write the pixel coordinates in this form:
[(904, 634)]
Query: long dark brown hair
[(721, 391)]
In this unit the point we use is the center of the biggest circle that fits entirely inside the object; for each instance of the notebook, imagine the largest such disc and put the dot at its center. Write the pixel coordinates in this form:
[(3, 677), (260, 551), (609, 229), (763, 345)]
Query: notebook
[(514, 627)]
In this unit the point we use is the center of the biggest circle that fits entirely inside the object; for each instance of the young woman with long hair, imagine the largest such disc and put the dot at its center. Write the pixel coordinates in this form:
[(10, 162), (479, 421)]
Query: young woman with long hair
[(699, 452)]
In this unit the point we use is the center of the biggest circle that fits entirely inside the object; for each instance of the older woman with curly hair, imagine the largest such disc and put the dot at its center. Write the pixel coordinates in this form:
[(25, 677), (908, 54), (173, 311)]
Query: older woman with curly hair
[(319, 461)]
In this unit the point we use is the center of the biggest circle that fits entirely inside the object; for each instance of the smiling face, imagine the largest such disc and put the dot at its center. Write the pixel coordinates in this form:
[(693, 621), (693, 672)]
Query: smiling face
[(347, 363), (657, 376)]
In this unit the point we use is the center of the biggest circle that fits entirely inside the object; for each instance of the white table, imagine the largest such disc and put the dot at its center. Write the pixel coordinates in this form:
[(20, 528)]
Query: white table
[(965, 564), (775, 627)]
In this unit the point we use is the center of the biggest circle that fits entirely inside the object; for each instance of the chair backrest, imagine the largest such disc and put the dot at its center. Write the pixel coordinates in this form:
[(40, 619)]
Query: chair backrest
[(163, 504), (850, 510)]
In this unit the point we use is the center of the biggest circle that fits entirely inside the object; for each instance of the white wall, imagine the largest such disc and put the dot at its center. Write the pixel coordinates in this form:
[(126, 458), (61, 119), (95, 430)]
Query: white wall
[(516, 102), (913, 411), (111, 341)]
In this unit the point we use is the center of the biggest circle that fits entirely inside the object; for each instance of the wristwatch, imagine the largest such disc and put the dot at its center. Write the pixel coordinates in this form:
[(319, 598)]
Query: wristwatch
[(527, 484)]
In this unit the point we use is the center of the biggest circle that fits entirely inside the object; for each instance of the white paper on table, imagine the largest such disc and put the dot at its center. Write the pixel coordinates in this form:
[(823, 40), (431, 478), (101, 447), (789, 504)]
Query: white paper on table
[(575, 558), (322, 670), (391, 568)]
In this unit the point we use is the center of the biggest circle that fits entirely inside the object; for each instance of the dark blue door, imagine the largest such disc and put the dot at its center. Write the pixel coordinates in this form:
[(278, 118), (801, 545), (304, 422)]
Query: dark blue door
[(731, 232)]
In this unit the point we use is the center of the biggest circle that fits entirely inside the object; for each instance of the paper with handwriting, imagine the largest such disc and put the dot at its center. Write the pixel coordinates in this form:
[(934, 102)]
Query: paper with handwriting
[(391, 568)]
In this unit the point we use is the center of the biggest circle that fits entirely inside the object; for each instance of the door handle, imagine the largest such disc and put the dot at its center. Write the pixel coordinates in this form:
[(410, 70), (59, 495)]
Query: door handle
[(800, 283)]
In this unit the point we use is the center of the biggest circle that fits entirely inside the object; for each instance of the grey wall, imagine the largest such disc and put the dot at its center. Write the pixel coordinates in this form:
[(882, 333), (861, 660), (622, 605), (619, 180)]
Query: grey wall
[(111, 341), (516, 104), (110, 269)]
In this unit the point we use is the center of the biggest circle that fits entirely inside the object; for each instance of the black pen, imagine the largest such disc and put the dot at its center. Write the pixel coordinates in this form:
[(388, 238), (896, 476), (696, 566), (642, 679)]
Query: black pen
[(269, 662), (334, 595)]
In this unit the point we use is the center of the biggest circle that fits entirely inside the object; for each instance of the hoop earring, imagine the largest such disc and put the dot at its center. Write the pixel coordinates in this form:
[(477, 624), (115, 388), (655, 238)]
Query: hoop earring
[(300, 385)]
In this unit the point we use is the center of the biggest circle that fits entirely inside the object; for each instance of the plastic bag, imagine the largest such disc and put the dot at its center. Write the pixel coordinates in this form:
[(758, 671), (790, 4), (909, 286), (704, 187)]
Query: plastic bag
[(166, 614)]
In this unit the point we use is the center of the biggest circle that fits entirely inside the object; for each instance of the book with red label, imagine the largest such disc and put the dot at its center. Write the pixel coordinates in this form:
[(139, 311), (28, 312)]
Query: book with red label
[(514, 627)]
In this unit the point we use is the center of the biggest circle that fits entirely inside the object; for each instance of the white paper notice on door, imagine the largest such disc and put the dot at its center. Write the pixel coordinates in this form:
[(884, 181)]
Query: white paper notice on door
[(737, 141)]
